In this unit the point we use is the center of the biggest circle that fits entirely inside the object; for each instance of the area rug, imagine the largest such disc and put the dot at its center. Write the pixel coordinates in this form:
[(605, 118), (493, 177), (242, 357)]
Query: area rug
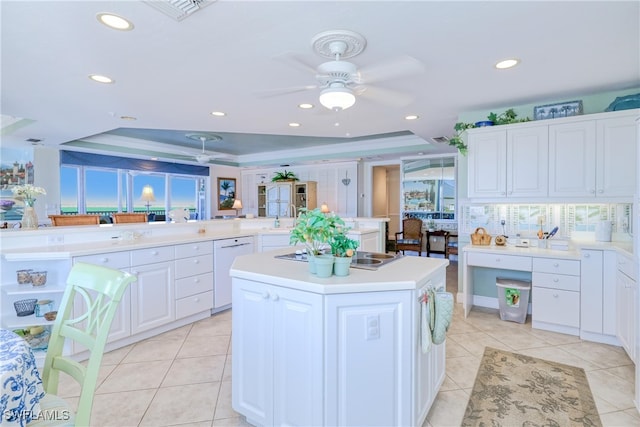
[(516, 390)]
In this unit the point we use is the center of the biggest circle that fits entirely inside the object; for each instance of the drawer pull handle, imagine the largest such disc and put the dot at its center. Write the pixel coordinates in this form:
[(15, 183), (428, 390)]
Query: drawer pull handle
[(497, 259), (196, 299), (556, 295), (196, 261), (587, 255), (555, 264), (196, 280), (104, 260), (154, 253), (556, 280), (265, 295), (275, 297)]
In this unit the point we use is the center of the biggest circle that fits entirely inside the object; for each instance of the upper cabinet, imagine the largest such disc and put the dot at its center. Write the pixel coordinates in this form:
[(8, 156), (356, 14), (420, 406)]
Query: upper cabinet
[(581, 158), (508, 162), (276, 199), (594, 158)]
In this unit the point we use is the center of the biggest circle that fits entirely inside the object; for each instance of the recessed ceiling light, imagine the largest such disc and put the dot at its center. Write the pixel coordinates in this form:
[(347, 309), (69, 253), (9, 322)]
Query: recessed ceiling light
[(507, 63), (114, 21), (101, 79), (305, 106), (218, 113), (294, 125), (411, 117)]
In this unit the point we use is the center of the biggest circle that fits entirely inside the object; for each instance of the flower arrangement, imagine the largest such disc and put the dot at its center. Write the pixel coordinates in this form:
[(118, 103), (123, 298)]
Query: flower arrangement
[(315, 230), (27, 193)]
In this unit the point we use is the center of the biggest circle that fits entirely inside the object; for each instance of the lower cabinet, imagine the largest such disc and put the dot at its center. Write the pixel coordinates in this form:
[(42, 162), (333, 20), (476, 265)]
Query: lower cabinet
[(626, 306), (152, 296), (555, 295), (598, 296), (194, 278), (277, 355), (301, 358)]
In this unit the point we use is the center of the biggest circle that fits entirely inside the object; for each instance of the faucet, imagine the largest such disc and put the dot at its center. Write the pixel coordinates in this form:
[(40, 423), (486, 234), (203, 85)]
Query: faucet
[(295, 213)]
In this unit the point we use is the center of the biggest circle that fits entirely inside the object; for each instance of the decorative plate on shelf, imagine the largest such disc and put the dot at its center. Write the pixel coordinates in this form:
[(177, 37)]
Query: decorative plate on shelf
[(625, 103)]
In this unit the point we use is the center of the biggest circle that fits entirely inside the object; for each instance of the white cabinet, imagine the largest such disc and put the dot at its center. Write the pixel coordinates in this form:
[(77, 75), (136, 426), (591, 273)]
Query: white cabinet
[(121, 325), (508, 162), (277, 355), (593, 158), (275, 199), (271, 241), (555, 295), (194, 278), (224, 252), (366, 241), (598, 296), (626, 305), (153, 295)]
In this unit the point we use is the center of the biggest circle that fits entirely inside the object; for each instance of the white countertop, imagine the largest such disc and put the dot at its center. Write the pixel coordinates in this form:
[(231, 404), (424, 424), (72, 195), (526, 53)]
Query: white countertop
[(575, 247), (406, 273)]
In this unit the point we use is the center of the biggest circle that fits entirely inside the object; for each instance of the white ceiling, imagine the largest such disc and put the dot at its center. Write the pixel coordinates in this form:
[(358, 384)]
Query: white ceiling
[(171, 74)]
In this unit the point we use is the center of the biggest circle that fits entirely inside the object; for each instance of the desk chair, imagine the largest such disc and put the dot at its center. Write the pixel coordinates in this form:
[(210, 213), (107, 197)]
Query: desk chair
[(411, 233), (60, 220), (434, 237), (92, 295), (127, 217)]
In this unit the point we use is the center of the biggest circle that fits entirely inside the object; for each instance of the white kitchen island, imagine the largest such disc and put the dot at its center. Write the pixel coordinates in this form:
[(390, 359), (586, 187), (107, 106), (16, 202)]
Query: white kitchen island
[(340, 351)]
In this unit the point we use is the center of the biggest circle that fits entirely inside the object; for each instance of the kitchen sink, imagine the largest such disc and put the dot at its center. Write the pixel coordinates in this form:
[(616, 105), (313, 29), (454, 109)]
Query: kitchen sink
[(362, 259)]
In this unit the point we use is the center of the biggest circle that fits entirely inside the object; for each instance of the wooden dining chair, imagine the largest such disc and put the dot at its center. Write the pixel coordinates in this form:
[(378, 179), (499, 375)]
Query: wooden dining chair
[(434, 245), (410, 238), (128, 217), (61, 220), (87, 308)]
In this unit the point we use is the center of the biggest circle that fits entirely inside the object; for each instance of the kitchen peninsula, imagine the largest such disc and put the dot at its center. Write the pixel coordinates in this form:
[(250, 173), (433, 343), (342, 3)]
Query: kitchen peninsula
[(332, 351)]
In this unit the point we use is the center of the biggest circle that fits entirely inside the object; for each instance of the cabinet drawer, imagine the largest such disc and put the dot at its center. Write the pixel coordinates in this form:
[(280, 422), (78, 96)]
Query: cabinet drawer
[(194, 266), (507, 262), (560, 266), (194, 304), (556, 306), (117, 260), (189, 250), (627, 266), (151, 255), (194, 285), (556, 281)]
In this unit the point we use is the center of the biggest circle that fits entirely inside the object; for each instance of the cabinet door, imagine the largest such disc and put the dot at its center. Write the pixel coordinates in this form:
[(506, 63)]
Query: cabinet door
[(278, 199), (298, 357), (487, 164), (572, 159), (626, 294), (152, 296), (616, 157), (527, 162), (252, 357), (591, 296)]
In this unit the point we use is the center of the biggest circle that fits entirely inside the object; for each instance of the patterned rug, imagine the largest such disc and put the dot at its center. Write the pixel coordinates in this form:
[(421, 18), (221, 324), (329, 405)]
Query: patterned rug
[(516, 390)]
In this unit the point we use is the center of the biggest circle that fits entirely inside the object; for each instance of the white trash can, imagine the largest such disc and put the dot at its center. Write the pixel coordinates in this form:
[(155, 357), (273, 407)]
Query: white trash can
[(513, 299)]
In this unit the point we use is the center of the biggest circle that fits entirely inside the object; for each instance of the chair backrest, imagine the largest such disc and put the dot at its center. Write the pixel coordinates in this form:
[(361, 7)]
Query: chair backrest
[(85, 314), (411, 228), (126, 217), (59, 220)]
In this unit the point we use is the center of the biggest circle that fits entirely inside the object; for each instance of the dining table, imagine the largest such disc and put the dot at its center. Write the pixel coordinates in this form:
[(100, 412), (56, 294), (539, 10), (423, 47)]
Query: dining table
[(20, 381)]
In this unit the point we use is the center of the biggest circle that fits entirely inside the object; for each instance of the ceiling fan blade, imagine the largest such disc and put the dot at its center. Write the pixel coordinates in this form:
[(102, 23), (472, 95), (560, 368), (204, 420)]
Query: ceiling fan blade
[(284, 91), (297, 61), (388, 97), (397, 67)]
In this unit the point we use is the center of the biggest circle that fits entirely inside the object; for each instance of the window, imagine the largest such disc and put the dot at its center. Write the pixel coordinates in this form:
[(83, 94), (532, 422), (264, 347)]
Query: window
[(89, 185), (429, 188)]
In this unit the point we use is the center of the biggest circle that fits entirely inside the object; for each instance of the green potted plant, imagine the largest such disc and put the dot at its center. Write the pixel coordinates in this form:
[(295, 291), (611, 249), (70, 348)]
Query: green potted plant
[(342, 248), (284, 176), (315, 231)]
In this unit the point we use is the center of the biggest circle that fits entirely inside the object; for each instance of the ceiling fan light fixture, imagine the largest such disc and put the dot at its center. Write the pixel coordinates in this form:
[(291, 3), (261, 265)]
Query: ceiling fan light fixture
[(337, 98)]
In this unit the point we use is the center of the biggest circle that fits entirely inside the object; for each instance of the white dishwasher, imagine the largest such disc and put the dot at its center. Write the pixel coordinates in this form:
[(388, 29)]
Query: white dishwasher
[(224, 252)]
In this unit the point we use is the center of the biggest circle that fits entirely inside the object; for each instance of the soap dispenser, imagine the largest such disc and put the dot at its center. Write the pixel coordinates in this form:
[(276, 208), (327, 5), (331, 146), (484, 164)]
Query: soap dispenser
[(276, 223)]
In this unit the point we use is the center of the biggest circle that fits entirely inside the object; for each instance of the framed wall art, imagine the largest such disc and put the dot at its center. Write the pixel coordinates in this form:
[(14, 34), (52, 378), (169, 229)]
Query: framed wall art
[(226, 193), (554, 111)]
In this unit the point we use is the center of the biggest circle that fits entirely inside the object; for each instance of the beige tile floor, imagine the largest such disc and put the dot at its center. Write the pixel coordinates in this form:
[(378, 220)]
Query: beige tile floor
[(183, 377)]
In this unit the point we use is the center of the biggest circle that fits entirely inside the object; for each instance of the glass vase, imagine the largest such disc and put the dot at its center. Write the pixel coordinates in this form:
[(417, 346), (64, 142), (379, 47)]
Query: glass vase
[(29, 218)]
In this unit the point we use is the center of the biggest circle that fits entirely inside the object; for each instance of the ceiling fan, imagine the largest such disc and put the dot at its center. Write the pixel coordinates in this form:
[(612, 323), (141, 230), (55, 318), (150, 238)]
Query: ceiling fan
[(341, 81), (203, 157)]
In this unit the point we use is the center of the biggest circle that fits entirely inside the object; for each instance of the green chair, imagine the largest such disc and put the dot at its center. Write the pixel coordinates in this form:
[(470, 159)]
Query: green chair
[(86, 311)]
